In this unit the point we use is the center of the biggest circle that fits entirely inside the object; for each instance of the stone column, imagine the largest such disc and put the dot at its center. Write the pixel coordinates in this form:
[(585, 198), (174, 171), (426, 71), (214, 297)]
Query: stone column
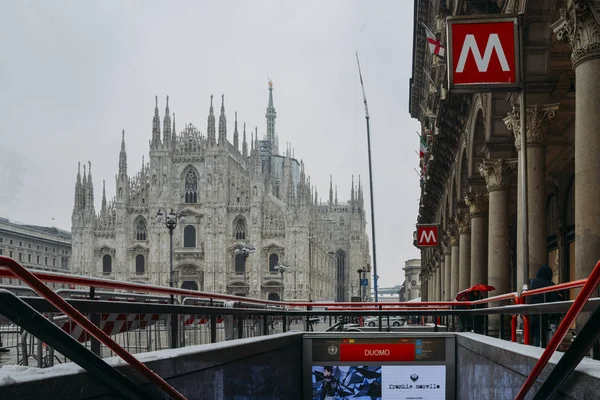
[(580, 24), (454, 265), (463, 221), (497, 177), (478, 209), (536, 123), (438, 280), (442, 275), (448, 264)]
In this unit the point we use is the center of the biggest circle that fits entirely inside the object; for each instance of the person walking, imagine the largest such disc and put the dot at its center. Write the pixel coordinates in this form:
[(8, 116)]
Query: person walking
[(542, 279)]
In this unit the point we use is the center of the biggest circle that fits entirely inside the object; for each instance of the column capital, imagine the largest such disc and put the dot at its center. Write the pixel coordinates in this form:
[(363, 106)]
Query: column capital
[(463, 222), (497, 173), (478, 204), (452, 237), (579, 23), (537, 118)]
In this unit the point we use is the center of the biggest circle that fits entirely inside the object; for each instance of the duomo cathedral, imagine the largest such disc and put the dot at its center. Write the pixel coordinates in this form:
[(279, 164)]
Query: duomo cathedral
[(226, 195)]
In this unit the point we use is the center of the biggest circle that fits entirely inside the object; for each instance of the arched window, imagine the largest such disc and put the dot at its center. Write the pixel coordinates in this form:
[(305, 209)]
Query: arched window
[(341, 275), (140, 228), (106, 265), (273, 297), (140, 265), (191, 187), (273, 261), (189, 236), (240, 264), (239, 228)]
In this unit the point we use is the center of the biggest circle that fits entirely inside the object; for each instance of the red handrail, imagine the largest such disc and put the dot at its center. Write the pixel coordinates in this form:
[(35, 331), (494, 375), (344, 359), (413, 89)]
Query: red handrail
[(547, 289), (22, 273), (554, 288), (576, 307)]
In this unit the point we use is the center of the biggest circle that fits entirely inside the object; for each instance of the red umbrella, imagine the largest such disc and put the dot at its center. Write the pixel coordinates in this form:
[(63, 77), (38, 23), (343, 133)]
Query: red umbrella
[(479, 287)]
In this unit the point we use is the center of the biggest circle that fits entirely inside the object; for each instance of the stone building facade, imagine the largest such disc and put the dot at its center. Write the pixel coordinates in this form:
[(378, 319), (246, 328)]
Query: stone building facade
[(36, 247), (232, 194), (412, 279), (471, 186)]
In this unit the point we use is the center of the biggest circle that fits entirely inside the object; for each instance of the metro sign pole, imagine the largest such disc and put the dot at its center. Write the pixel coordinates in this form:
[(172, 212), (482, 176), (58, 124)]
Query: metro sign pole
[(485, 54)]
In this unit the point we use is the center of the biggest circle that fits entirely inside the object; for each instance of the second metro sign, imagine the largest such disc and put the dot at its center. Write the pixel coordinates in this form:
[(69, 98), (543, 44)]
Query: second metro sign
[(483, 53)]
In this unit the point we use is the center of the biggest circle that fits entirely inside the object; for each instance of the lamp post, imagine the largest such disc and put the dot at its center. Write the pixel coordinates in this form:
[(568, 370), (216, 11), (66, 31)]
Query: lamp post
[(245, 251), (281, 269), (360, 272), (170, 221)]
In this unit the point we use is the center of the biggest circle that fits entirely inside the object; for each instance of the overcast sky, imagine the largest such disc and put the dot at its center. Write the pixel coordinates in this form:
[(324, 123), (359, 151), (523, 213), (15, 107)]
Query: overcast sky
[(73, 74)]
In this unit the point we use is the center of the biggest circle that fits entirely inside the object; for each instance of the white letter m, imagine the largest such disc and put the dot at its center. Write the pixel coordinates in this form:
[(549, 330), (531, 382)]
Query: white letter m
[(482, 62), (428, 236)]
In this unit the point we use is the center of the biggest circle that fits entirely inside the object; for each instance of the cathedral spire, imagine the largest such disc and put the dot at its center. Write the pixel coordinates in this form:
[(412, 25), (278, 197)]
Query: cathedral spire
[(84, 188), (271, 115), (78, 190), (352, 193), (155, 126), (236, 136), (244, 143), (211, 130), (222, 123), (167, 125), (330, 190), (90, 199), (336, 198), (103, 210), (174, 132), (123, 157)]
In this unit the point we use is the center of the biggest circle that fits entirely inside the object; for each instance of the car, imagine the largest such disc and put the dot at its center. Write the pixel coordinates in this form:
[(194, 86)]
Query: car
[(394, 321)]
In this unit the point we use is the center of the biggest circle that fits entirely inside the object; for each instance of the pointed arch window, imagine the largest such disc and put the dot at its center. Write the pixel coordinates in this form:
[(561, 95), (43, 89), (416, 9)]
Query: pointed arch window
[(106, 264), (240, 264), (140, 228), (239, 228), (191, 187), (189, 236), (140, 265), (273, 261)]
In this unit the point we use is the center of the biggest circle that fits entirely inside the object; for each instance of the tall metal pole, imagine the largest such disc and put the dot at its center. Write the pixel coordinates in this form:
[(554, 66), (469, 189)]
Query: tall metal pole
[(375, 277), (523, 170), (170, 257)]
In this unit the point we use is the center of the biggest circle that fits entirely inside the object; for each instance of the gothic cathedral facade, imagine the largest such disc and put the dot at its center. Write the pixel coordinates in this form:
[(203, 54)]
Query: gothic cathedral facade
[(228, 197)]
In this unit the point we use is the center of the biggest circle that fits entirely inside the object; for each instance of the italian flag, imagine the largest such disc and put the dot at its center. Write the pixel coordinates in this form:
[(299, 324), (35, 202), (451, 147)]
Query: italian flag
[(423, 148)]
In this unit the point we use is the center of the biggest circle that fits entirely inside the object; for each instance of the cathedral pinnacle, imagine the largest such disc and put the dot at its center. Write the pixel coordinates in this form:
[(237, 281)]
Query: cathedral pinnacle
[(167, 125), (236, 138), (244, 143), (222, 123), (155, 126), (271, 115), (211, 129), (123, 157)]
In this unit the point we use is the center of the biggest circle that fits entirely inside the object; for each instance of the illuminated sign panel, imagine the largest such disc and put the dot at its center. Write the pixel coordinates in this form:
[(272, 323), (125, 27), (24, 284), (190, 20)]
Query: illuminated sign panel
[(427, 235)]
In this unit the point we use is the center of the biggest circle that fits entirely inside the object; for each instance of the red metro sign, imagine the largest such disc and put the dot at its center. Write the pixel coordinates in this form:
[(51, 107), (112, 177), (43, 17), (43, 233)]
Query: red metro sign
[(483, 54), (427, 235)]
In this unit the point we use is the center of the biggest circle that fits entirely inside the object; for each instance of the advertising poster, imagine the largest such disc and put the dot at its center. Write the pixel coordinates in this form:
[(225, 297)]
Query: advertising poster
[(414, 382), (346, 382)]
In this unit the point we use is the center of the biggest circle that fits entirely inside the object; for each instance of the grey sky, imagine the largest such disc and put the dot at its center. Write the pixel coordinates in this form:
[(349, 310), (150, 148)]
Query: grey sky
[(73, 74)]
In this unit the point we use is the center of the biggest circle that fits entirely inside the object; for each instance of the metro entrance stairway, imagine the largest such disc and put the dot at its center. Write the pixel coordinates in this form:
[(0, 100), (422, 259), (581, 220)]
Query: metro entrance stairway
[(242, 360)]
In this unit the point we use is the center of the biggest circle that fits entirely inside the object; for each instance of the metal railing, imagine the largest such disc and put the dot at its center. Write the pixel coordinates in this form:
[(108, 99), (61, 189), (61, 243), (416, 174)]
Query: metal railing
[(580, 301)]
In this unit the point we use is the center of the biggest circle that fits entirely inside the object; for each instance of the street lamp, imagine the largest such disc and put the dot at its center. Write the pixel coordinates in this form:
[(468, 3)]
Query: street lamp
[(245, 250), (170, 221), (360, 271), (281, 269)]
